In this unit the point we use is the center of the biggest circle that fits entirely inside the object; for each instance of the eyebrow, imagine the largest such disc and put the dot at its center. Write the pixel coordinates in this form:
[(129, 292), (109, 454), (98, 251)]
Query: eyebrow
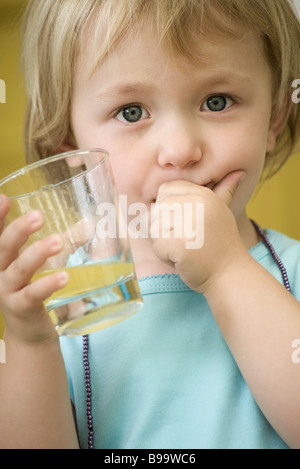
[(116, 91), (229, 79), (119, 91)]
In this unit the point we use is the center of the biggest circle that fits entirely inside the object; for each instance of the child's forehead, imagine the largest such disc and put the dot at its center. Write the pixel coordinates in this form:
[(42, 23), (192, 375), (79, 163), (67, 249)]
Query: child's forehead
[(138, 66), (201, 47)]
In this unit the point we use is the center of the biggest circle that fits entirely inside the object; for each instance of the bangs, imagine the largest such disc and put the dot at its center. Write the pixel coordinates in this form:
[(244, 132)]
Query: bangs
[(179, 26)]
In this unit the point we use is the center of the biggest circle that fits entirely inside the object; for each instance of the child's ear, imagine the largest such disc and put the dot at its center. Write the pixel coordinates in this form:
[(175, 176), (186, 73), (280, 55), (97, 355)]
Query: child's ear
[(72, 162), (277, 123), (65, 147), (69, 143)]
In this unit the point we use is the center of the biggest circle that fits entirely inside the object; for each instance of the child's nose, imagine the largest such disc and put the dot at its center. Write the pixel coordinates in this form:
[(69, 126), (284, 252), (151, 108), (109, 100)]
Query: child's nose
[(179, 146)]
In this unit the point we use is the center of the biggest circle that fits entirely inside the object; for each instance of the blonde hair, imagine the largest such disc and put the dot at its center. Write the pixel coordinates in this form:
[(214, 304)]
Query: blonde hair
[(52, 39)]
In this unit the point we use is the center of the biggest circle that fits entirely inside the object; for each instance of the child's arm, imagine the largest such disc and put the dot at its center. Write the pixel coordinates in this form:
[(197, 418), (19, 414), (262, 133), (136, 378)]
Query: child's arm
[(35, 408), (258, 318)]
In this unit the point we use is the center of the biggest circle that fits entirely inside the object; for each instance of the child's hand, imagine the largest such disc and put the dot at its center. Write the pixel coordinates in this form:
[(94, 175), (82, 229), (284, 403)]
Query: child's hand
[(199, 267), (21, 302)]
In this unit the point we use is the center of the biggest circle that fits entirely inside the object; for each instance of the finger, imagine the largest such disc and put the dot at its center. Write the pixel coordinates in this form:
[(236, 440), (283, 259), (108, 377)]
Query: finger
[(226, 188), (37, 292), (34, 294), (79, 234), (20, 271), (176, 188), (161, 228), (16, 235), (163, 249), (4, 209)]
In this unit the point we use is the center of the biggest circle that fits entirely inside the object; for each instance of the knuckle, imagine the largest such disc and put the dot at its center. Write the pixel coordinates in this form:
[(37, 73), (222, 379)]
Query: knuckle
[(29, 295), (20, 227), (20, 269), (16, 233)]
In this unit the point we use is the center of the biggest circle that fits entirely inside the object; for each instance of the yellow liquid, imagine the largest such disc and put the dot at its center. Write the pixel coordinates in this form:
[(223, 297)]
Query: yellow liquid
[(96, 296)]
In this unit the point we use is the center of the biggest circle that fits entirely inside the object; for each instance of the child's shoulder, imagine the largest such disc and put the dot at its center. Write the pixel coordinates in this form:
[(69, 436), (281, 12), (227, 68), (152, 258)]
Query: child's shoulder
[(288, 251), (282, 244)]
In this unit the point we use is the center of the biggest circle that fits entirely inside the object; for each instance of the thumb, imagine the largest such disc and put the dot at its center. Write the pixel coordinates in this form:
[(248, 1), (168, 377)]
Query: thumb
[(226, 188)]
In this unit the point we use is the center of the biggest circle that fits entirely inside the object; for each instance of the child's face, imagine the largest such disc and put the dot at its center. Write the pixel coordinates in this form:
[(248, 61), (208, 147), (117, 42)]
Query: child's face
[(162, 122)]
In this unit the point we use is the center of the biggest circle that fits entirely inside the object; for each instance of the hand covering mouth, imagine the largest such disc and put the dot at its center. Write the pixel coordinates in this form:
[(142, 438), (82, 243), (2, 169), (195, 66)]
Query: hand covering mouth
[(210, 186)]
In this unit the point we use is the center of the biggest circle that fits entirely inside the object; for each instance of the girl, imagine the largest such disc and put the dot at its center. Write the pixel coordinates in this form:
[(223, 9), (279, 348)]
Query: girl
[(192, 99)]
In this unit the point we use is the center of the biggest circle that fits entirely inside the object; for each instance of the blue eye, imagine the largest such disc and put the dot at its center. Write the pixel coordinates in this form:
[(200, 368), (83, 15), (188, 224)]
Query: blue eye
[(132, 114), (217, 103)]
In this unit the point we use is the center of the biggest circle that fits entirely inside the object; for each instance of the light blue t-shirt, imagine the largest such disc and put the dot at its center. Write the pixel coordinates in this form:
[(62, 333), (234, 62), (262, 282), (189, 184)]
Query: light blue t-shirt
[(165, 378)]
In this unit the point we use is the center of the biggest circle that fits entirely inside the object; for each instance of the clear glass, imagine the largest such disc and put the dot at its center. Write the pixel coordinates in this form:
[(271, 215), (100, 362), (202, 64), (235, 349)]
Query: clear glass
[(76, 193)]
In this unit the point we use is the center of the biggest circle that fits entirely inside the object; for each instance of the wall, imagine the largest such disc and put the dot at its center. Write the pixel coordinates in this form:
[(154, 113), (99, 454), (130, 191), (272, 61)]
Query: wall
[(275, 204), (11, 112)]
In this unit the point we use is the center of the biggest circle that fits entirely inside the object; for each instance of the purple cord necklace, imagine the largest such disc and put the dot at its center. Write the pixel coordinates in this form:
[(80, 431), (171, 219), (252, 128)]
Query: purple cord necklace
[(86, 363), (88, 391), (284, 275)]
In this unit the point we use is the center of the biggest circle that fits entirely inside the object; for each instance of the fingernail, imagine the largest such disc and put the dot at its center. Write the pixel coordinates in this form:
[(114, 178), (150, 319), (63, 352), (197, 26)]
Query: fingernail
[(243, 176), (63, 278), (34, 217), (55, 242)]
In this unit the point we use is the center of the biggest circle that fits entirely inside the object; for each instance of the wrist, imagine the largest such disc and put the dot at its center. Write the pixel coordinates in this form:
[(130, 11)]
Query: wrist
[(230, 273), (31, 337)]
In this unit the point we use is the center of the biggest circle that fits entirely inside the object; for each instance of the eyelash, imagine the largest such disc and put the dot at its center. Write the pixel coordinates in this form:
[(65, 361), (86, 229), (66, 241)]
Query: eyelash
[(144, 111), (127, 107), (212, 97)]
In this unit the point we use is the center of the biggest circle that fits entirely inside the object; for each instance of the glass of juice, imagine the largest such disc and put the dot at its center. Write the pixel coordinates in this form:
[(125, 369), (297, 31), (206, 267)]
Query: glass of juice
[(76, 194)]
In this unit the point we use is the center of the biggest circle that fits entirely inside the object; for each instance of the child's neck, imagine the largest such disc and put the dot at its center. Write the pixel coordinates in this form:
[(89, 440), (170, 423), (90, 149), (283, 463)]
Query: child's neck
[(248, 233)]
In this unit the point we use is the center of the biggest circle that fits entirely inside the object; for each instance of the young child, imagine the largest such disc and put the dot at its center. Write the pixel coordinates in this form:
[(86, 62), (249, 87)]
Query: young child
[(193, 100)]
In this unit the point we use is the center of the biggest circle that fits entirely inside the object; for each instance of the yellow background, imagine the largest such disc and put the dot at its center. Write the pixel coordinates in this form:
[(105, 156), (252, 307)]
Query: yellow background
[(275, 204)]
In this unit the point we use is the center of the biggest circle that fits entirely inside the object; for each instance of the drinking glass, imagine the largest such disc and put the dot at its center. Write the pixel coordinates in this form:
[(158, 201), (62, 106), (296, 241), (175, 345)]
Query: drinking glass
[(76, 193)]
